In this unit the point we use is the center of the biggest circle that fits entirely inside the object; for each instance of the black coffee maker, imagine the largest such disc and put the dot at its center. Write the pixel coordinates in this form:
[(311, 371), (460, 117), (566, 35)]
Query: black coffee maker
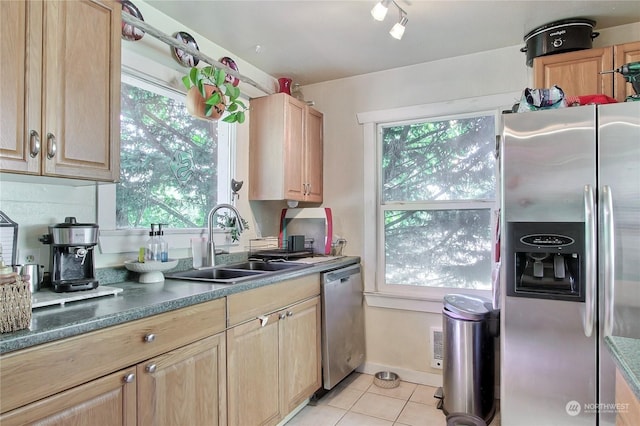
[(72, 265)]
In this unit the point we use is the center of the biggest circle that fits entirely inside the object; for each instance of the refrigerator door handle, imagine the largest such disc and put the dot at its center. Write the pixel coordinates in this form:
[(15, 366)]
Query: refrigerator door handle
[(590, 260), (608, 236)]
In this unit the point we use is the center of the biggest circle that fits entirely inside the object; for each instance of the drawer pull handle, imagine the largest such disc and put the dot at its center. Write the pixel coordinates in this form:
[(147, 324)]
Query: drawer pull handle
[(129, 378), (151, 368), (149, 338), (264, 319)]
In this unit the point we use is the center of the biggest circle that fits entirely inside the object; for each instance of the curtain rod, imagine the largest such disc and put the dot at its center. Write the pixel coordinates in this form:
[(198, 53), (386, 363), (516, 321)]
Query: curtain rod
[(171, 41)]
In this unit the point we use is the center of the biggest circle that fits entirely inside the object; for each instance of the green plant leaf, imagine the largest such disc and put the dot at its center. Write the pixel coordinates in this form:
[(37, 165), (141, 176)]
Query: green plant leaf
[(214, 99), (232, 107), (240, 118), (186, 81), (193, 75), (208, 72), (208, 109), (200, 84), (220, 76)]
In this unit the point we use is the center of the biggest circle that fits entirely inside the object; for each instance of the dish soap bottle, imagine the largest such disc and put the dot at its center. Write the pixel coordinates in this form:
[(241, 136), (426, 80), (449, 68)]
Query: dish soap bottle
[(163, 246), (152, 251)]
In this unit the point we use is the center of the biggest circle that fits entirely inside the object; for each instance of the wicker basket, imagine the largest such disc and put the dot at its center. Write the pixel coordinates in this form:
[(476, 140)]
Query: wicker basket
[(15, 306)]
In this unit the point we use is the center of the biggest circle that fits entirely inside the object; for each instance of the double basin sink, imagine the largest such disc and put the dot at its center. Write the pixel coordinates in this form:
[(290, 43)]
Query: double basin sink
[(237, 272)]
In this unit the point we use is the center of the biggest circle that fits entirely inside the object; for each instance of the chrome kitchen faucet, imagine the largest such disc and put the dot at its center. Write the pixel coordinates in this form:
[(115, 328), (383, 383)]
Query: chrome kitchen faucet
[(211, 246)]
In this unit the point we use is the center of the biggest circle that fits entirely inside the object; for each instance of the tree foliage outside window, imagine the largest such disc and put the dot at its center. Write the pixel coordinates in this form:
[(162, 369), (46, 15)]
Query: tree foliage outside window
[(438, 184), (168, 162)]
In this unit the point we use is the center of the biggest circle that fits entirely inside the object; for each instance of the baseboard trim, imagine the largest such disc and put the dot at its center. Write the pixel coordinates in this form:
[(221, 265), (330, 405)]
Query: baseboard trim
[(419, 377)]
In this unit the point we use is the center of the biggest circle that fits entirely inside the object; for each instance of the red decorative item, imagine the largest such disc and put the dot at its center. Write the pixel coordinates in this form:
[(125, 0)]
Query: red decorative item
[(285, 85)]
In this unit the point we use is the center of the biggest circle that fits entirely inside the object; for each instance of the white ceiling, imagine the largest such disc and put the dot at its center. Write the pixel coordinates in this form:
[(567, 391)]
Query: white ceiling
[(313, 41)]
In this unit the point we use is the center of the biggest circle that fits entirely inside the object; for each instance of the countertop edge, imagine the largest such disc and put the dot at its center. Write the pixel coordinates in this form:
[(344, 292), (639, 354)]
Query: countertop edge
[(625, 352), (200, 293)]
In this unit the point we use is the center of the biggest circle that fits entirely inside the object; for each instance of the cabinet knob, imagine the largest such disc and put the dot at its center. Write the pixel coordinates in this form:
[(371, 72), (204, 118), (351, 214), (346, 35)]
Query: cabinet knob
[(151, 368), (51, 146), (282, 316), (34, 144), (289, 313), (129, 378), (148, 338)]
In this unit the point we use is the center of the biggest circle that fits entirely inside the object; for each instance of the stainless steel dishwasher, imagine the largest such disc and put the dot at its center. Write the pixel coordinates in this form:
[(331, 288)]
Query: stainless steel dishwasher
[(342, 324)]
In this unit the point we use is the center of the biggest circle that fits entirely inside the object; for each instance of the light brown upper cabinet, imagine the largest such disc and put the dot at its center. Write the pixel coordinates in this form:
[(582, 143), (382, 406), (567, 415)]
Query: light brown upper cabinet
[(285, 150), (578, 73), (60, 88)]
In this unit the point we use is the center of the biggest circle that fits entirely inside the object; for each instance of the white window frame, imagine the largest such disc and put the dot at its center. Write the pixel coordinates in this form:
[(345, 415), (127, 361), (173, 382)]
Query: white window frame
[(117, 241), (423, 299)]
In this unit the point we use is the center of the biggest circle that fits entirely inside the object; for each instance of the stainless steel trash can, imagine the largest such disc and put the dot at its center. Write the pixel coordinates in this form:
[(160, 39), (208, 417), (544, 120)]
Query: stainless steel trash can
[(470, 325)]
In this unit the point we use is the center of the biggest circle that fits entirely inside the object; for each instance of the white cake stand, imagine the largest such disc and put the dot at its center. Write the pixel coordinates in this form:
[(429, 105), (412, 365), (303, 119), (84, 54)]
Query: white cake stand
[(151, 271)]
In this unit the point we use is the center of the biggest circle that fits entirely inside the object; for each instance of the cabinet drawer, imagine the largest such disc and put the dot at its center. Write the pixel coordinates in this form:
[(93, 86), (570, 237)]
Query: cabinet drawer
[(40, 371), (252, 303)]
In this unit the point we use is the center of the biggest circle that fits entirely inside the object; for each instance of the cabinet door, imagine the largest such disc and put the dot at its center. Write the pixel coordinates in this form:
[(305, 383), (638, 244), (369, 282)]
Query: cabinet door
[(300, 353), (20, 68), (576, 73), (294, 151), (110, 400), (252, 373), (313, 156), (623, 54), (81, 89), (186, 386), (629, 415)]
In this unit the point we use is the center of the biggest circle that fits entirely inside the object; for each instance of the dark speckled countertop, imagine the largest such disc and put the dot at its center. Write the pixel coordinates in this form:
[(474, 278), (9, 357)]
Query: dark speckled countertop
[(626, 354), (137, 301)]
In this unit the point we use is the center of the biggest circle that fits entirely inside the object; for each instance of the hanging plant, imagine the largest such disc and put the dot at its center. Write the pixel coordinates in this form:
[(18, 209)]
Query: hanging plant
[(218, 95)]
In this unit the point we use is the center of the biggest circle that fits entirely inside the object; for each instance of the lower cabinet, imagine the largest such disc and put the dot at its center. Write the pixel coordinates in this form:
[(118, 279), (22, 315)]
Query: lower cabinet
[(273, 364), (170, 369), (628, 406), (110, 400), (215, 363), (186, 386)]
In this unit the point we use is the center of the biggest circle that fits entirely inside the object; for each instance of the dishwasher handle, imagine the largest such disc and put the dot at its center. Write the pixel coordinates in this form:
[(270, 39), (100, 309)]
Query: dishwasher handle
[(341, 274)]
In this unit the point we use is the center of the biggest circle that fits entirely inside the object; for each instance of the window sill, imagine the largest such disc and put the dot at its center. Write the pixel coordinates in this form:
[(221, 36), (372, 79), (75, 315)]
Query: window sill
[(413, 303)]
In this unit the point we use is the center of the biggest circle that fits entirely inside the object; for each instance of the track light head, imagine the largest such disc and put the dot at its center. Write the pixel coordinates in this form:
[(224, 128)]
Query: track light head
[(379, 11), (398, 29)]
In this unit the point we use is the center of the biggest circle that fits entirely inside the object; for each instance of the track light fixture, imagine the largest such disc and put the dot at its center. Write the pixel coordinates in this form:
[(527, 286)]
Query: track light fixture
[(379, 12), (398, 29)]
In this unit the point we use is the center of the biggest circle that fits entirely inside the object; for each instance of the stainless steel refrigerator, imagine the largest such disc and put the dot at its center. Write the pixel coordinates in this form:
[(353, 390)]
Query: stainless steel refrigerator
[(570, 267)]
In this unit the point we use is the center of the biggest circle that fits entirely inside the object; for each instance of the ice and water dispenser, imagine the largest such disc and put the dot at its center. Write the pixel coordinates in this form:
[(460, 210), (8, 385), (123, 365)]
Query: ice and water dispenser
[(546, 260)]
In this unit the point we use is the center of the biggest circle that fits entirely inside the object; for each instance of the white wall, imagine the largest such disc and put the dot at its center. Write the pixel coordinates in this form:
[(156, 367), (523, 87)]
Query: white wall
[(398, 339)]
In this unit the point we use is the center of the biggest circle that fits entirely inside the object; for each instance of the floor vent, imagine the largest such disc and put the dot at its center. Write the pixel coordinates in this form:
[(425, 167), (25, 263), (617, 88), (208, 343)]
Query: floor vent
[(437, 348)]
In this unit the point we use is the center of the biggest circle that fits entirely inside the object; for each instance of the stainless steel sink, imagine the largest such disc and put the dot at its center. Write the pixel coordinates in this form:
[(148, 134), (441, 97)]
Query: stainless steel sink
[(222, 275), (259, 265), (237, 272)]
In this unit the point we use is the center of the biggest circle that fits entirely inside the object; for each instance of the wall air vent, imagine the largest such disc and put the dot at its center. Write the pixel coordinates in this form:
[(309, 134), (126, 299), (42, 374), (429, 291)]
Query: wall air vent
[(437, 347)]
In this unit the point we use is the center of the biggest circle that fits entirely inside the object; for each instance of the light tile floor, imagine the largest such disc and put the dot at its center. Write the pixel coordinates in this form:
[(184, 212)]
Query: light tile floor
[(358, 402)]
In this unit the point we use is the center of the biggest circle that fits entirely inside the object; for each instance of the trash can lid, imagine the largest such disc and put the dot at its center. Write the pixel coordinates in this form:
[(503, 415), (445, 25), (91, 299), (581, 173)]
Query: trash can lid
[(468, 307)]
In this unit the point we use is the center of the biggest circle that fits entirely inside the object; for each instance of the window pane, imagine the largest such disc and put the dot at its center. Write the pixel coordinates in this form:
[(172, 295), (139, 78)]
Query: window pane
[(168, 163), (438, 248), (440, 160)]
